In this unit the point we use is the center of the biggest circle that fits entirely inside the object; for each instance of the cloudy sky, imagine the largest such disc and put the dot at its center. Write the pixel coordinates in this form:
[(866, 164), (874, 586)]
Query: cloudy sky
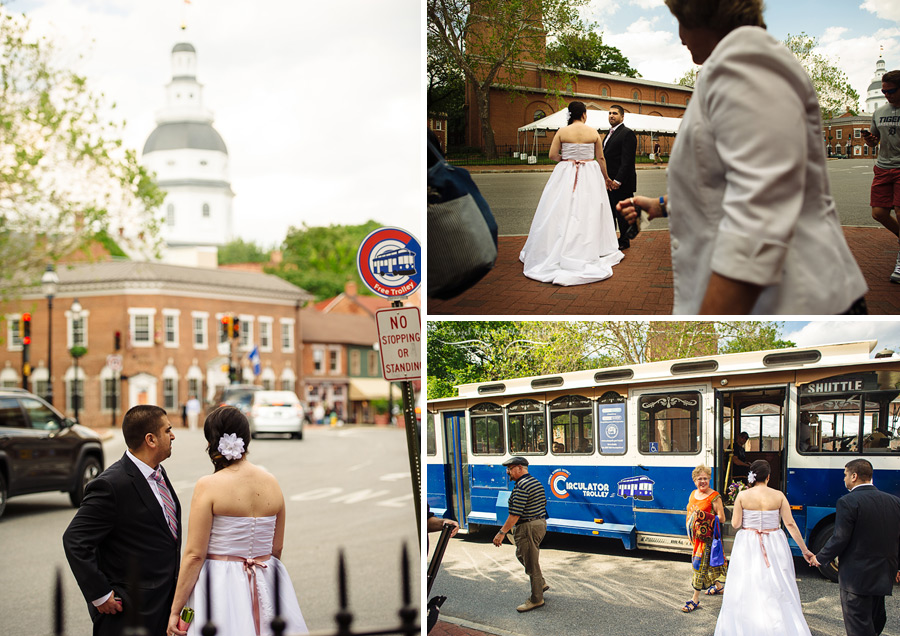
[(319, 103), (850, 32), (886, 332)]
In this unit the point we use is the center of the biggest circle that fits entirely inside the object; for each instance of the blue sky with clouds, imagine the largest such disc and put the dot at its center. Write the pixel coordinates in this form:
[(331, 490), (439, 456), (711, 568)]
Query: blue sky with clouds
[(850, 32)]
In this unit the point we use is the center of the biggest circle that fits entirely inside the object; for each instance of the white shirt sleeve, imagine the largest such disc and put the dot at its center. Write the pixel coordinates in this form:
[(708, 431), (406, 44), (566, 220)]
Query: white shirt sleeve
[(759, 123), (100, 601)]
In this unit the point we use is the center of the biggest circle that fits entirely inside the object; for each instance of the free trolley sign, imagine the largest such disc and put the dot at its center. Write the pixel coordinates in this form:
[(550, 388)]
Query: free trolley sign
[(400, 343), (389, 261)]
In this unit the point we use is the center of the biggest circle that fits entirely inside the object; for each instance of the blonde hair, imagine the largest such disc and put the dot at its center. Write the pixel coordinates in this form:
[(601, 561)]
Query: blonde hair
[(718, 15), (701, 469)]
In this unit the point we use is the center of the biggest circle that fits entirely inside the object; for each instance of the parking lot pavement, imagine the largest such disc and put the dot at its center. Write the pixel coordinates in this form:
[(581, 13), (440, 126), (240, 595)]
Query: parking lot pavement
[(642, 283)]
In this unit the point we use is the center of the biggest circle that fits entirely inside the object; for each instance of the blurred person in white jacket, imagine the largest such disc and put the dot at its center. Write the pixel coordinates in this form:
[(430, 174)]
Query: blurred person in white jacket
[(754, 229)]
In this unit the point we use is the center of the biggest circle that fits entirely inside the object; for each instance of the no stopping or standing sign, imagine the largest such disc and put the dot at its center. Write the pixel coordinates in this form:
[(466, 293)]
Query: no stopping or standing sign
[(399, 340)]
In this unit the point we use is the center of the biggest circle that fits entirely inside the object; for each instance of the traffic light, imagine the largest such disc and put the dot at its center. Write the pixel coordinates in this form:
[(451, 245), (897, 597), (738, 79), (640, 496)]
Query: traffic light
[(236, 328), (227, 327), (25, 334), (25, 329), (117, 341)]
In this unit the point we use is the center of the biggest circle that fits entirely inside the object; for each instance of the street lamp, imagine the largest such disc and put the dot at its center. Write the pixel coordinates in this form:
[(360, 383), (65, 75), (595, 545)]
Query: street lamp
[(49, 285), (76, 353)]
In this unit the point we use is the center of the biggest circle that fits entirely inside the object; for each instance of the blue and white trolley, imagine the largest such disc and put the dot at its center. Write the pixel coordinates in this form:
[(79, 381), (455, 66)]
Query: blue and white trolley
[(615, 447)]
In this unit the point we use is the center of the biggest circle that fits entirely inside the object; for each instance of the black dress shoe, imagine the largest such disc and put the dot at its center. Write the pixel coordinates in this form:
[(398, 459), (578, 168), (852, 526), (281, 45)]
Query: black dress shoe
[(624, 243)]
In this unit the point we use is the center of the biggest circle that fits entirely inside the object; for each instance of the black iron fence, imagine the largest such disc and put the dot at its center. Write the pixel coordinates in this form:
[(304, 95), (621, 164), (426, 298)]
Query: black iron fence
[(408, 612), (513, 155)]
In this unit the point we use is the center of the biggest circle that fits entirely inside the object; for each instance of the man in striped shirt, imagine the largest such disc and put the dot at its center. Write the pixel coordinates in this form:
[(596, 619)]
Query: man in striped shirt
[(528, 515)]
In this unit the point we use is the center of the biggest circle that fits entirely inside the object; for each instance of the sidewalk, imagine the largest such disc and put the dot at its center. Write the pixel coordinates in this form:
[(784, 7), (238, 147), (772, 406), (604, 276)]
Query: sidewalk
[(448, 628), (642, 283)]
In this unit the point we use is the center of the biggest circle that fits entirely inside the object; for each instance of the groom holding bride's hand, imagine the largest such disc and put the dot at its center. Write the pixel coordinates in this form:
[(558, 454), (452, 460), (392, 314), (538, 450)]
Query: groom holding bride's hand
[(867, 540)]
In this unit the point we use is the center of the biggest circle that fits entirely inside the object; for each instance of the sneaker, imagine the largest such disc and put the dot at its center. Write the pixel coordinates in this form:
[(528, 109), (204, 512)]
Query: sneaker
[(528, 605), (895, 277)]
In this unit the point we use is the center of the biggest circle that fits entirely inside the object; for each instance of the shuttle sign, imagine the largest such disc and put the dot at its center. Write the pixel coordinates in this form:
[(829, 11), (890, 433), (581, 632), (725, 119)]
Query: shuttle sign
[(399, 340)]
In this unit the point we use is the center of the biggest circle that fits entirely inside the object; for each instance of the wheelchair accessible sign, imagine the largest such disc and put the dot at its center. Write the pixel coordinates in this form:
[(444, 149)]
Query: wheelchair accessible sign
[(389, 261)]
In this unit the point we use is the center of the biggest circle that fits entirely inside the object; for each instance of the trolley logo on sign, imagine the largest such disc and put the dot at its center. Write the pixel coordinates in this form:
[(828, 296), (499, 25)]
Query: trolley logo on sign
[(561, 484), (637, 487), (390, 262)]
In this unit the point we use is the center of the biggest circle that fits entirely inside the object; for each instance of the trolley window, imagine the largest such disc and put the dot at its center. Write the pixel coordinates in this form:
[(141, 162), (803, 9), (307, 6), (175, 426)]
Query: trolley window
[(572, 424), (611, 424), (527, 428), (431, 445), (487, 428), (669, 422), (864, 422)]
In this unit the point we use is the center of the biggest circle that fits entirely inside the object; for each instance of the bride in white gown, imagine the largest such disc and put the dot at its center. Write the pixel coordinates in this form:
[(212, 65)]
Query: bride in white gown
[(572, 240), (761, 596), (235, 538)]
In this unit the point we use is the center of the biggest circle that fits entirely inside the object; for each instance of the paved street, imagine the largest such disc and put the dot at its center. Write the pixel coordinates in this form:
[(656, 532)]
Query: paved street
[(598, 587), (642, 283), (513, 196), (345, 488)]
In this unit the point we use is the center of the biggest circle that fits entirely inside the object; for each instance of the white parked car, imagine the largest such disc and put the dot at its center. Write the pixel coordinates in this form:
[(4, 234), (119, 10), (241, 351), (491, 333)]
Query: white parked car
[(276, 412)]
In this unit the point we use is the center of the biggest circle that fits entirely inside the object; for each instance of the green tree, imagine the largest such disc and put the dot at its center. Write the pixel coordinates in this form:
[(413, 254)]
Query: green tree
[(65, 176), (587, 52), (465, 352), (322, 259), (240, 251), (836, 95), (446, 88), (488, 39), (689, 78)]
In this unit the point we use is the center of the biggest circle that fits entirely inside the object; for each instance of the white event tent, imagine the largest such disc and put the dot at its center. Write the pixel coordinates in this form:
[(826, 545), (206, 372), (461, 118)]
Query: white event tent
[(599, 119)]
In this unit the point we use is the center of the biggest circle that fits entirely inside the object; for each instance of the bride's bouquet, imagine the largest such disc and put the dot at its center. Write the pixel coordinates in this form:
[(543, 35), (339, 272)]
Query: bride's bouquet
[(734, 489)]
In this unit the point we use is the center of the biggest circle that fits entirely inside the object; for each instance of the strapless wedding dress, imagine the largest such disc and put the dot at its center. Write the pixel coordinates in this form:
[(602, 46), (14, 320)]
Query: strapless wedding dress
[(572, 240), (761, 596), (232, 541)]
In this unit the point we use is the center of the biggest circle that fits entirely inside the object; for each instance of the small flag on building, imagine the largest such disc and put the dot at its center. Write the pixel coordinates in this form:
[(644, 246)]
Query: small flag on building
[(254, 360)]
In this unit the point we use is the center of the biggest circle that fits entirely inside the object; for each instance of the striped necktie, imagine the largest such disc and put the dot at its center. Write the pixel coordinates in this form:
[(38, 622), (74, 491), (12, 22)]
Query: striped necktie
[(168, 502)]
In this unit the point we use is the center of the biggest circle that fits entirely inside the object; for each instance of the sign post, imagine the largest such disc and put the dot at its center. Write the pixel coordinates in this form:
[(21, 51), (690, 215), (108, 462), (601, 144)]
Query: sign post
[(389, 261)]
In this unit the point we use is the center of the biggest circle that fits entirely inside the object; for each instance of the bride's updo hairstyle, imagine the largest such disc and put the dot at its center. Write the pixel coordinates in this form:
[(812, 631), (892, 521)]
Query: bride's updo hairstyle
[(223, 421), (576, 110), (761, 469)]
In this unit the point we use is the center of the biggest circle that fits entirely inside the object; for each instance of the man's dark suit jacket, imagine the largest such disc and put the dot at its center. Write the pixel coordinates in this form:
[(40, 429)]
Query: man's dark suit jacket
[(120, 525), (619, 151), (867, 539)]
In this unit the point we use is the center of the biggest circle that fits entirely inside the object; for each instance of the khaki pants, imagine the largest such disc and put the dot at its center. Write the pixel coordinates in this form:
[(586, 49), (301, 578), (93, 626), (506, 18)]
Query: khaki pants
[(528, 537)]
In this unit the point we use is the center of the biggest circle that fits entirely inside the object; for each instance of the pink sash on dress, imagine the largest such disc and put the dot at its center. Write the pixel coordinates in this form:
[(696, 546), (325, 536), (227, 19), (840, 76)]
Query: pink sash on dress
[(250, 563)]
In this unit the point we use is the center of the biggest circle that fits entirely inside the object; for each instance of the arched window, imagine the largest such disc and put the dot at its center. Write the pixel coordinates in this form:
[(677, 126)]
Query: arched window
[(636, 95), (539, 114), (527, 427), (572, 425), (486, 420), (206, 210), (604, 92), (663, 98)]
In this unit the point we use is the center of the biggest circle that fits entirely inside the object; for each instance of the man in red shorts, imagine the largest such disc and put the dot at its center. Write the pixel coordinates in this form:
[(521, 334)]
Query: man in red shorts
[(886, 183)]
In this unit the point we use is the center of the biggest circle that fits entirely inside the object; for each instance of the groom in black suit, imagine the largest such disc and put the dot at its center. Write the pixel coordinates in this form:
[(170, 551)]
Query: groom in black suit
[(619, 148), (128, 531), (867, 540)]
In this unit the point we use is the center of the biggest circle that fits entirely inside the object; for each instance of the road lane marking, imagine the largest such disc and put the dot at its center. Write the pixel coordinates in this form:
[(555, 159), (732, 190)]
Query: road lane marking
[(394, 476)]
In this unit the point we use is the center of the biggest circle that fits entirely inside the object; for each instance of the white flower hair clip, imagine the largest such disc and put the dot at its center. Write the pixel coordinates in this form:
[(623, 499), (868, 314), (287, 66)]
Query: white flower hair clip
[(231, 446), (751, 476)]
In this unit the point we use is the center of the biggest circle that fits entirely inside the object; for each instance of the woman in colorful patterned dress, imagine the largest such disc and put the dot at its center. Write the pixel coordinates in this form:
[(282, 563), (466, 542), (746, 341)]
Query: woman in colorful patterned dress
[(703, 506)]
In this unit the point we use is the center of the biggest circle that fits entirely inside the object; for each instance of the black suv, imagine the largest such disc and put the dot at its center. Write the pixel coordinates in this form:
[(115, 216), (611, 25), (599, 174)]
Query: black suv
[(42, 451)]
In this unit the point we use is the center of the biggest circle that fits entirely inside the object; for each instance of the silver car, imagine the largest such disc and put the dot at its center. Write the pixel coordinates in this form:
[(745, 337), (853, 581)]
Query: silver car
[(276, 412)]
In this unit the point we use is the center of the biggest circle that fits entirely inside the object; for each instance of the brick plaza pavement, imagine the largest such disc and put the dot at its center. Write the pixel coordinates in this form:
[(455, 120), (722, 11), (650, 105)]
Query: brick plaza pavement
[(642, 283)]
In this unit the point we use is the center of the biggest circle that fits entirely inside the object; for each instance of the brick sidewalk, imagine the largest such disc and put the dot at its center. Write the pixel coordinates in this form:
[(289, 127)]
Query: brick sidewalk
[(642, 283)]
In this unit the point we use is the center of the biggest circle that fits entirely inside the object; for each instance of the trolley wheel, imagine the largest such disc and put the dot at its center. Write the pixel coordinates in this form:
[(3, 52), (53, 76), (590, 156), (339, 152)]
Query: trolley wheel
[(828, 570)]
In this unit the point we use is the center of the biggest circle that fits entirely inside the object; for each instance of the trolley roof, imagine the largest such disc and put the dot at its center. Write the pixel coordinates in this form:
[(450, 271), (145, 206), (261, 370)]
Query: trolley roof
[(824, 356)]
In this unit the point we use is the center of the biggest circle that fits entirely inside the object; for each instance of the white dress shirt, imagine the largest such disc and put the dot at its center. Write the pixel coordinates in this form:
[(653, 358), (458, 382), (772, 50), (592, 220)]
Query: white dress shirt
[(749, 196)]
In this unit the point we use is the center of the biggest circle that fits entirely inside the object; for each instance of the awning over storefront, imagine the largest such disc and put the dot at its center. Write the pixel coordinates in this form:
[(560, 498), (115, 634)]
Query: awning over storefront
[(370, 389)]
